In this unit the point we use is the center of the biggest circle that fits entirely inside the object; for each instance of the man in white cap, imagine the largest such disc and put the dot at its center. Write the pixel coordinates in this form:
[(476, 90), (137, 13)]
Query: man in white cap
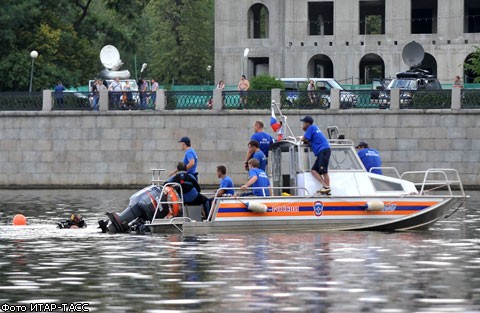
[(321, 149)]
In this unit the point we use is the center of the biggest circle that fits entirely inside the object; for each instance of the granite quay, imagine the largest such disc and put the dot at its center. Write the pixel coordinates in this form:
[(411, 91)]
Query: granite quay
[(112, 149)]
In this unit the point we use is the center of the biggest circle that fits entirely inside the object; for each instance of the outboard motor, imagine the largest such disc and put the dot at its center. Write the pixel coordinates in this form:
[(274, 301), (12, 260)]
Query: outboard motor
[(141, 207)]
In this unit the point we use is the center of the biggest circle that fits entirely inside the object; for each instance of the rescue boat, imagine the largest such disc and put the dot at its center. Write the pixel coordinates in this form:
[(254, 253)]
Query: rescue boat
[(359, 200)]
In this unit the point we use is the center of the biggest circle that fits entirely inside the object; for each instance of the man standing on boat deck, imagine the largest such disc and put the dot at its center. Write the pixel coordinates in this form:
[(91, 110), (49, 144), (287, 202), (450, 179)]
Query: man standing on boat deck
[(258, 154), (190, 158), (370, 157), (264, 141), (321, 149)]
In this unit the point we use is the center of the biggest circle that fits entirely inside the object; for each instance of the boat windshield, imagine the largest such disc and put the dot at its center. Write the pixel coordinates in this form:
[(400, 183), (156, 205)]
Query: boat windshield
[(344, 158)]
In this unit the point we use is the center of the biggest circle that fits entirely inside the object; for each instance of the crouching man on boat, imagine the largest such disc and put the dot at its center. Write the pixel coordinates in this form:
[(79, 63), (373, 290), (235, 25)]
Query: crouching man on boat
[(321, 149), (257, 178), (190, 187), (370, 157)]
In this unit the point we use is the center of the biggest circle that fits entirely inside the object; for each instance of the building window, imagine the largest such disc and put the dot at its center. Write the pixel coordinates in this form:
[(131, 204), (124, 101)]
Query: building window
[(471, 22), (320, 65), (320, 18), (260, 66), (258, 21), (372, 17), (371, 66), (424, 16)]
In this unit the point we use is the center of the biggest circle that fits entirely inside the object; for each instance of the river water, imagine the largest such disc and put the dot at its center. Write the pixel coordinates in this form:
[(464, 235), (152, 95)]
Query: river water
[(43, 268)]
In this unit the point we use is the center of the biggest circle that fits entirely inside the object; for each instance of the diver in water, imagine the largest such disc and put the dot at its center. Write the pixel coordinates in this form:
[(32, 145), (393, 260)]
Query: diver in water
[(75, 221)]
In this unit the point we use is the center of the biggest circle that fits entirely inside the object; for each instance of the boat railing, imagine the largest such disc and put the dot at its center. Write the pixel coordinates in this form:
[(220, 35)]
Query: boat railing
[(156, 176), (341, 142), (436, 179), (164, 192), (386, 169)]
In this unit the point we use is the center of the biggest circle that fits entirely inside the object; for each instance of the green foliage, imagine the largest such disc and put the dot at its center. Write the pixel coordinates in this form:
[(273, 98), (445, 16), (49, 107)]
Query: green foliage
[(374, 24), (426, 99), (473, 64), (174, 37), (265, 82), (181, 43)]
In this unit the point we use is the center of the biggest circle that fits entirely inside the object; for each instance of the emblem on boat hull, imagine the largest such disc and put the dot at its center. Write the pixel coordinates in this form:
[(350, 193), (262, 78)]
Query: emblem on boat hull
[(318, 208)]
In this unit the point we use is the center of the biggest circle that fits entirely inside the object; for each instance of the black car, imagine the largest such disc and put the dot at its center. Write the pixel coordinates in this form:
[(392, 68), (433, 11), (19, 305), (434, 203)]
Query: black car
[(408, 82)]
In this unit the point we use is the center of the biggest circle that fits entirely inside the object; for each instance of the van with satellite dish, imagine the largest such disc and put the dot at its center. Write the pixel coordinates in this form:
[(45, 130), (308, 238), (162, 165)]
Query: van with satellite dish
[(414, 79), (322, 86), (408, 82)]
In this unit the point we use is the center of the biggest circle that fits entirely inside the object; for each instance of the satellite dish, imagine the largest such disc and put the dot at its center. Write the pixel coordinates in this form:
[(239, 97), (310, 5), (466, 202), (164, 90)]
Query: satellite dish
[(110, 57), (413, 54)]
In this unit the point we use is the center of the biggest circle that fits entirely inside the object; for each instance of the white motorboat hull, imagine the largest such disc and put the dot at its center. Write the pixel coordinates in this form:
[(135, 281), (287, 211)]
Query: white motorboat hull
[(316, 214)]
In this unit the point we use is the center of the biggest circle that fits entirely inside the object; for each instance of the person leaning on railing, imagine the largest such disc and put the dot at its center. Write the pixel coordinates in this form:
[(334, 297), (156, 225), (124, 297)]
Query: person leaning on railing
[(258, 179), (457, 83)]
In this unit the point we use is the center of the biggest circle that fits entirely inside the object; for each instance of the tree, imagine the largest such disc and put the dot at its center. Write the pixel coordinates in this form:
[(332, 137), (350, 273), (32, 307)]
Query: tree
[(473, 64), (175, 37), (265, 82), (48, 27), (182, 44)]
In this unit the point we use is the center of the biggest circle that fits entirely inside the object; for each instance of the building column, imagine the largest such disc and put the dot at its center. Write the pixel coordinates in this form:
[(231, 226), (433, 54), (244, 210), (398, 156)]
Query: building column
[(103, 101), (456, 98), (334, 99), (161, 100), (395, 99), (276, 96), (217, 99), (47, 103)]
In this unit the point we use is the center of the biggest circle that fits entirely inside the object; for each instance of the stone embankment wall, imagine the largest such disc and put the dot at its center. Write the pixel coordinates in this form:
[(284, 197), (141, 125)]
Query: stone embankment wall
[(117, 148)]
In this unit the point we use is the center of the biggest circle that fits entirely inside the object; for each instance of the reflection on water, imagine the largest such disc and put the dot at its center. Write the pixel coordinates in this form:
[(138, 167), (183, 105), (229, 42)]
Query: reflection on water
[(433, 271)]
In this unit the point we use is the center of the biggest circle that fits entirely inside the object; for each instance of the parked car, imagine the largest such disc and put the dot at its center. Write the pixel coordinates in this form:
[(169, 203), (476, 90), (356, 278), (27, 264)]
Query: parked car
[(322, 90), (378, 85), (408, 82)]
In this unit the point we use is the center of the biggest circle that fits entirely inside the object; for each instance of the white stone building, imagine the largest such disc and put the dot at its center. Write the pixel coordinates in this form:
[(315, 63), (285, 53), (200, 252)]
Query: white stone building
[(350, 40)]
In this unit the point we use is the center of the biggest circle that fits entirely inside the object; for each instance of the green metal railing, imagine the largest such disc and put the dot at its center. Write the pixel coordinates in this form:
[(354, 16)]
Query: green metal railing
[(233, 99), (260, 99), (425, 99), (189, 100), (72, 101), (21, 101), (305, 100), (471, 99)]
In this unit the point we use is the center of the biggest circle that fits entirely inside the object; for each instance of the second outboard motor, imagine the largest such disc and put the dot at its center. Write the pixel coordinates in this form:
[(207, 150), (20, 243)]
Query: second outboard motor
[(142, 206)]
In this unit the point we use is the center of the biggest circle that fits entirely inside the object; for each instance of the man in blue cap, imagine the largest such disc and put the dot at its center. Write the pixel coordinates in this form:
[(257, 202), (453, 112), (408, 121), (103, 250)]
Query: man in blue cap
[(190, 158), (321, 149)]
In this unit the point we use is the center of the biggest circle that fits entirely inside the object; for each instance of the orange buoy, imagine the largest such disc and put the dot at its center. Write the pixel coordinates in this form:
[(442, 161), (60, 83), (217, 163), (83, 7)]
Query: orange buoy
[(19, 220), (172, 196)]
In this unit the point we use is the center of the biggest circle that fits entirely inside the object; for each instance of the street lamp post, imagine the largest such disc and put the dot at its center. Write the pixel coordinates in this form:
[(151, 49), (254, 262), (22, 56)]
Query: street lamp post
[(33, 55), (245, 55), (209, 67)]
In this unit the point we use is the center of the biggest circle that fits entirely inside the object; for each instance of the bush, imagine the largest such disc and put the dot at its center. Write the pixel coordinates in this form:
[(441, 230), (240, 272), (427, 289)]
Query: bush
[(265, 82)]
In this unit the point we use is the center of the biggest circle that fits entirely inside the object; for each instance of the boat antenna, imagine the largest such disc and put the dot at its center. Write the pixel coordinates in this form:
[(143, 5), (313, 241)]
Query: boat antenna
[(284, 121)]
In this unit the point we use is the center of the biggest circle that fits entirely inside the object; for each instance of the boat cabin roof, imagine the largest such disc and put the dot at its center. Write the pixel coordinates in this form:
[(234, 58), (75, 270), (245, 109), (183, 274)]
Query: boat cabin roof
[(291, 162)]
